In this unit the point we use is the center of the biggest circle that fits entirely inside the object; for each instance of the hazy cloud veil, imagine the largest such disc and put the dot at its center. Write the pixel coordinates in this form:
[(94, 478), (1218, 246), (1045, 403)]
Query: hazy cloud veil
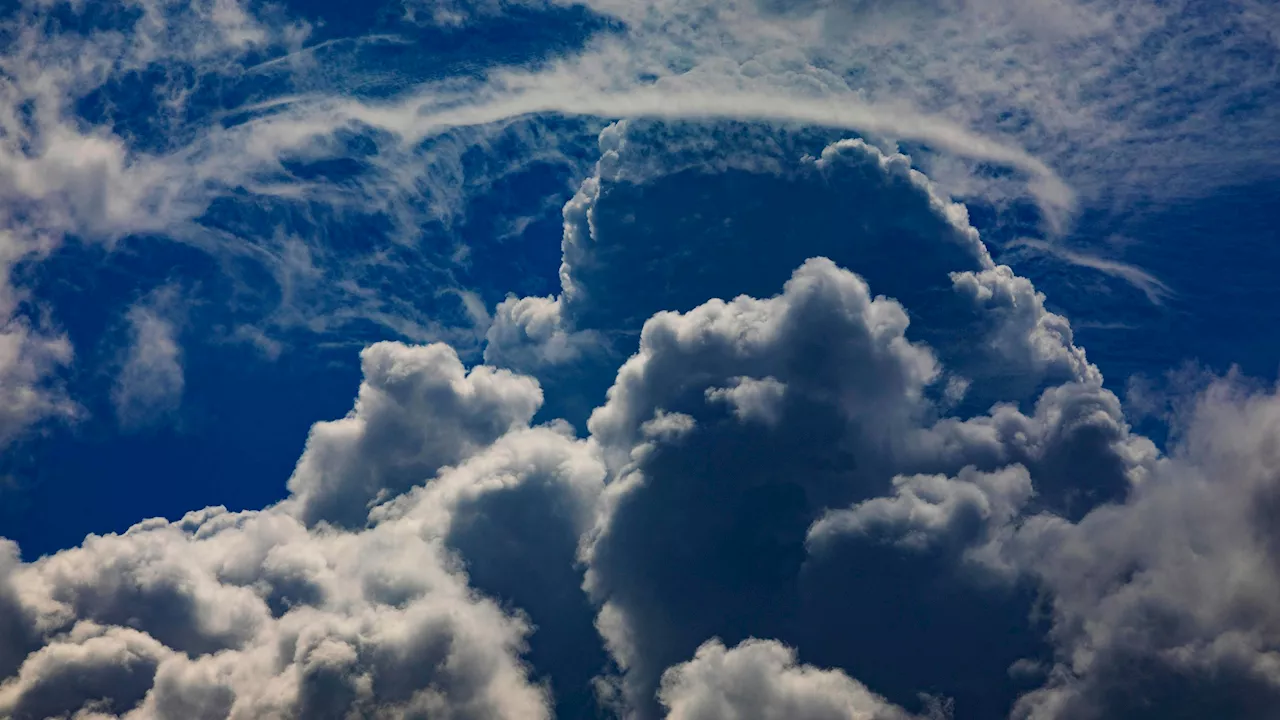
[(777, 437)]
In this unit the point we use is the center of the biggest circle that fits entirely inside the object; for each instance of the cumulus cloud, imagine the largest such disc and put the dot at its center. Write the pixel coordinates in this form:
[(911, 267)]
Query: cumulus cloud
[(869, 391), (761, 679), (92, 664), (929, 509), (751, 399), (742, 428), (530, 333), (861, 207), (248, 107), (418, 410), (745, 454), (259, 618), (780, 464), (1160, 602), (1029, 343), (254, 614), (728, 490)]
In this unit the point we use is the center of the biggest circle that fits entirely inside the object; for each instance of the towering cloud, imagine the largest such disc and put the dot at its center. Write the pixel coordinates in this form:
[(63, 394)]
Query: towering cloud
[(845, 459)]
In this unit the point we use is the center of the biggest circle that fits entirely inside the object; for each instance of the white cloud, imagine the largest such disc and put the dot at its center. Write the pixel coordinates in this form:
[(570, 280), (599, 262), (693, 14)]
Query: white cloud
[(267, 620), (1022, 338), (32, 354), (784, 409), (1151, 286), (149, 385), (530, 333), (316, 605), (30, 358), (418, 410), (761, 679), (853, 383), (91, 663), (253, 614), (929, 509), (751, 399), (1038, 87), (1034, 87)]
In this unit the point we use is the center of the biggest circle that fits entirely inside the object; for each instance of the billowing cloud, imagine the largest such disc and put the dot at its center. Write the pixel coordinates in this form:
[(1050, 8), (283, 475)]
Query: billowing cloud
[(761, 679), (1161, 602), (841, 424), (253, 614), (531, 333), (440, 553), (929, 509), (418, 410)]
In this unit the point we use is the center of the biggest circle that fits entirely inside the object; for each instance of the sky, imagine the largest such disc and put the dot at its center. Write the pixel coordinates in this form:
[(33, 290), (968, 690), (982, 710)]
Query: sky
[(685, 359)]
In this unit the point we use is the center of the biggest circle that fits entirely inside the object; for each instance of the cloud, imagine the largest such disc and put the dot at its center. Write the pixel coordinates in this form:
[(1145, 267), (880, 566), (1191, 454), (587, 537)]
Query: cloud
[(1155, 290), (196, 122), (702, 532), (779, 467), (929, 509), (30, 358), (785, 464), (246, 108), (253, 614), (150, 382), (396, 641), (1158, 601), (773, 429), (1022, 342), (33, 352), (861, 207), (761, 679), (809, 431), (530, 333), (751, 399), (93, 663), (418, 411)]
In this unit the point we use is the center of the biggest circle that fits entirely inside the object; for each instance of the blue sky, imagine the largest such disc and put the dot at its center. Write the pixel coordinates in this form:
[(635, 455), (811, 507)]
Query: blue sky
[(693, 359)]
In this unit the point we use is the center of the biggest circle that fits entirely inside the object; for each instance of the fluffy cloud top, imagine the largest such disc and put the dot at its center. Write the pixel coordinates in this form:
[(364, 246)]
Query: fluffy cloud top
[(418, 410), (252, 615), (761, 679)]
